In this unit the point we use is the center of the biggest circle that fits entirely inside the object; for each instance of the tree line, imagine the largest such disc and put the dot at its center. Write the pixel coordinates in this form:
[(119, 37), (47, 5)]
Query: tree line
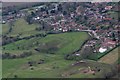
[(15, 56), (6, 39)]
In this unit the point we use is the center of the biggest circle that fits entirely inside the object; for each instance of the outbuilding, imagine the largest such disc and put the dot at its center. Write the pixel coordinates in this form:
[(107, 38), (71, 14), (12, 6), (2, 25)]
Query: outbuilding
[(101, 50)]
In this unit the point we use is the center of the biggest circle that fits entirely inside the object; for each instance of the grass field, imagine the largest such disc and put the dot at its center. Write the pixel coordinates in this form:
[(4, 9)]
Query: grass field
[(118, 60), (0, 29), (101, 56), (0, 68), (21, 27), (55, 65), (114, 14), (5, 28), (67, 42), (47, 70), (42, 70), (51, 50), (84, 70), (111, 57)]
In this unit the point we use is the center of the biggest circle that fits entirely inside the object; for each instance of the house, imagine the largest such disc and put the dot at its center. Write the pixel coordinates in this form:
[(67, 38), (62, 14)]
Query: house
[(77, 54), (65, 30), (102, 49), (107, 18), (3, 22), (108, 7), (37, 18), (108, 43)]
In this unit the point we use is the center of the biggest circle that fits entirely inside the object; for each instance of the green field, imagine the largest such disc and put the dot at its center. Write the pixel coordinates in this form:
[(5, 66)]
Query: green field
[(66, 43), (113, 14), (52, 49), (5, 28), (55, 65), (104, 56), (20, 27), (0, 68), (85, 68), (111, 57), (42, 70)]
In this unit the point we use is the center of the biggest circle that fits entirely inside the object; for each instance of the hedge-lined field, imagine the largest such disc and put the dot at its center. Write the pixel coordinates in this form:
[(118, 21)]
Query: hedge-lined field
[(54, 63), (111, 57), (19, 28)]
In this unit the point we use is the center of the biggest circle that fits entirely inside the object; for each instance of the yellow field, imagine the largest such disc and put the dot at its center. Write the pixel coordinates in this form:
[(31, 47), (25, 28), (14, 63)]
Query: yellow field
[(111, 57)]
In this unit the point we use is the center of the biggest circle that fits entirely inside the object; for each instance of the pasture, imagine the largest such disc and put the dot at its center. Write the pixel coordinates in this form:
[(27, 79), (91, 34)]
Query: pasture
[(54, 63), (26, 54), (51, 68), (55, 66), (87, 69), (66, 42), (5, 28), (20, 28), (52, 49)]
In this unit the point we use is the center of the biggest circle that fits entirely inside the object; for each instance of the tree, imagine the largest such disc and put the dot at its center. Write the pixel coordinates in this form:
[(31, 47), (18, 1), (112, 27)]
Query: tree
[(38, 28), (29, 19), (6, 55), (33, 14), (30, 63), (86, 52), (60, 7), (32, 68), (11, 24), (113, 36), (64, 12), (15, 76)]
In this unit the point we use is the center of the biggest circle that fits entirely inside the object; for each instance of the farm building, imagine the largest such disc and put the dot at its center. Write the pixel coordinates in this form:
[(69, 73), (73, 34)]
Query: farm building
[(101, 50)]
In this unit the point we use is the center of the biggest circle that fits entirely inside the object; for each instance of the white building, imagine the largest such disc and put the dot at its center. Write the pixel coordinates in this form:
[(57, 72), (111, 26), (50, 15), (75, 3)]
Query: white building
[(101, 50)]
